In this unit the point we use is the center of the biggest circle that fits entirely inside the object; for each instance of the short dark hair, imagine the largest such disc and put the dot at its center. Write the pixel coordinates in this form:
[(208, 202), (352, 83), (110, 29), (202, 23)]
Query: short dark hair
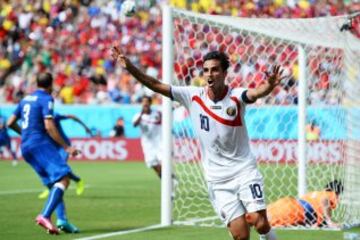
[(44, 80), (217, 55), (147, 97), (335, 186)]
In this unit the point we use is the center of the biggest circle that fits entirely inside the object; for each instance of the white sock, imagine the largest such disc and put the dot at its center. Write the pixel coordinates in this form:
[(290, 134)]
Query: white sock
[(268, 236), (60, 185)]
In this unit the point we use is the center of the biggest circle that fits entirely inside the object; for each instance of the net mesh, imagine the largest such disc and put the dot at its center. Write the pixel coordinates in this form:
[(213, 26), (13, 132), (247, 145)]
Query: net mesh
[(332, 130)]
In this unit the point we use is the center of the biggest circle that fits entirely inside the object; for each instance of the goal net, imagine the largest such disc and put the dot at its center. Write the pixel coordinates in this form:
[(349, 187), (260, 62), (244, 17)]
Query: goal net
[(303, 135)]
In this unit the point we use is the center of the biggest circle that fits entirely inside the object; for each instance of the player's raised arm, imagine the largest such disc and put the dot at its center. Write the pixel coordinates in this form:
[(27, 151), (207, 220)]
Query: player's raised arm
[(146, 80), (138, 120), (12, 123), (273, 79), (78, 120)]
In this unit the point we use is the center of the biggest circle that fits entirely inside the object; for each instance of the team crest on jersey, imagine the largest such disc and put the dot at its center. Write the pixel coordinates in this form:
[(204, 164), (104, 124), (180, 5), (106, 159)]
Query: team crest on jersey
[(231, 111)]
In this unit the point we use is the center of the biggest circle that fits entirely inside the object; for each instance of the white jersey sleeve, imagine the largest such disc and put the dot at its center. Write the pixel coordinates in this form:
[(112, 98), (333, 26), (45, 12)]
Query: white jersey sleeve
[(183, 94), (240, 94), (136, 117)]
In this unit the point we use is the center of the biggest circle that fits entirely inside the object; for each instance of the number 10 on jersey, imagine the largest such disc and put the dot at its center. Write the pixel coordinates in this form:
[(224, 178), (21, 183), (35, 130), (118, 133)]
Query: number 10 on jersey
[(204, 122)]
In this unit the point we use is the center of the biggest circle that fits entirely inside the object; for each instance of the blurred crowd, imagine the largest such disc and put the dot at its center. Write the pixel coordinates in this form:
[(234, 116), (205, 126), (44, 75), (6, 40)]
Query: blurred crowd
[(271, 8), (251, 55), (72, 38)]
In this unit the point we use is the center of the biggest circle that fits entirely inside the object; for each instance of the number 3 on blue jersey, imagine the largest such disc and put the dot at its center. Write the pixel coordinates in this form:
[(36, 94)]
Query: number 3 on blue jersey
[(204, 122), (26, 111)]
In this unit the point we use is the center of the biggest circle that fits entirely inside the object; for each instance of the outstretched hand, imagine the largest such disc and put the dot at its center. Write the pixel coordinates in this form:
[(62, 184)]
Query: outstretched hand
[(118, 55), (275, 77)]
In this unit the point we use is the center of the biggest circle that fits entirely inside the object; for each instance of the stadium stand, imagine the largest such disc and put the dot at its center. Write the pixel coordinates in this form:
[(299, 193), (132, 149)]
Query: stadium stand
[(72, 39)]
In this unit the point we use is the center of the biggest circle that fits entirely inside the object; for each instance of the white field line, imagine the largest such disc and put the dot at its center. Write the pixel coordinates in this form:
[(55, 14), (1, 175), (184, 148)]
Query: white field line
[(111, 234), (193, 221), (23, 191)]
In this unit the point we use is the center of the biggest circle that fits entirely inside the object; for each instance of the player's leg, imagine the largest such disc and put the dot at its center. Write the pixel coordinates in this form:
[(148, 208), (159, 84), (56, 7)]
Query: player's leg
[(261, 224), (157, 169), (30, 158), (2, 144), (239, 228), (74, 177), (251, 194), (13, 154), (80, 185), (151, 159), (229, 208), (56, 203), (62, 221), (58, 170), (63, 168), (55, 196), (44, 194)]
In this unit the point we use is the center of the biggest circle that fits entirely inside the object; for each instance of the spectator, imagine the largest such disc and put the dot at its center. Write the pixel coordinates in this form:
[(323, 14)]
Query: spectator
[(72, 38), (312, 131), (118, 129)]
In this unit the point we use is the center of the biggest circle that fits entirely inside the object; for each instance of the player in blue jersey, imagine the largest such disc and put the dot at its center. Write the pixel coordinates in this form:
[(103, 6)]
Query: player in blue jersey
[(80, 186), (40, 144), (5, 140)]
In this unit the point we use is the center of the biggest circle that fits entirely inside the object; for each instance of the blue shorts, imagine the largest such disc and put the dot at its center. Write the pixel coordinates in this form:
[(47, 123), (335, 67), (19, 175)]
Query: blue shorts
[(64, 155), (46, 160), (5, 141)]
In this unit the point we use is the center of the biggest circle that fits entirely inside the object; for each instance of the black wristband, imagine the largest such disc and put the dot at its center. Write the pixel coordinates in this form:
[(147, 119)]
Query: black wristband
[(245, 98)]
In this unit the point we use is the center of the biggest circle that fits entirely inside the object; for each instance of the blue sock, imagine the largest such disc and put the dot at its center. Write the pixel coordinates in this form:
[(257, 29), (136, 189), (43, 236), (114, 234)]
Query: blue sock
[(60, 211), (74, 177), (55, 197)]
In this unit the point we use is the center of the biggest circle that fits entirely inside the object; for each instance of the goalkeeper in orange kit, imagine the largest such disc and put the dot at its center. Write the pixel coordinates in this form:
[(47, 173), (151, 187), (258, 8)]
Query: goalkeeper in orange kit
[(312, 209)]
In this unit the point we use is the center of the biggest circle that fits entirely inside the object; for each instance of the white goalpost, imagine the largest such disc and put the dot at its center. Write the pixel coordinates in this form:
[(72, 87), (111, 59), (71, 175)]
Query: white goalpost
[(304, 135), (167, 65)]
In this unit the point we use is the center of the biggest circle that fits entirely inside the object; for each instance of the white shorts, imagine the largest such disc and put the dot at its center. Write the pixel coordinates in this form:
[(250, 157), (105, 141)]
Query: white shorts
[(240, 195), (152, 157)]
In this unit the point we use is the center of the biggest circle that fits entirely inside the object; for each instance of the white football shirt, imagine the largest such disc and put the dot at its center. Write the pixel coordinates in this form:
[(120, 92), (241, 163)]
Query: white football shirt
[(221, 128), (150, 127)]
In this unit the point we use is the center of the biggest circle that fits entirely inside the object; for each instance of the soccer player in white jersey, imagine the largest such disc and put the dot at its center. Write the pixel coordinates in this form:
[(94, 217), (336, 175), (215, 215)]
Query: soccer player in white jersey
[(217, 112), (149, 121)]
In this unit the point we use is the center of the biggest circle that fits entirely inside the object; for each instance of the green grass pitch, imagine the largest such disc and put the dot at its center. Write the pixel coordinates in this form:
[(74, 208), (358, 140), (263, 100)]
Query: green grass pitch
[(119, 197)]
